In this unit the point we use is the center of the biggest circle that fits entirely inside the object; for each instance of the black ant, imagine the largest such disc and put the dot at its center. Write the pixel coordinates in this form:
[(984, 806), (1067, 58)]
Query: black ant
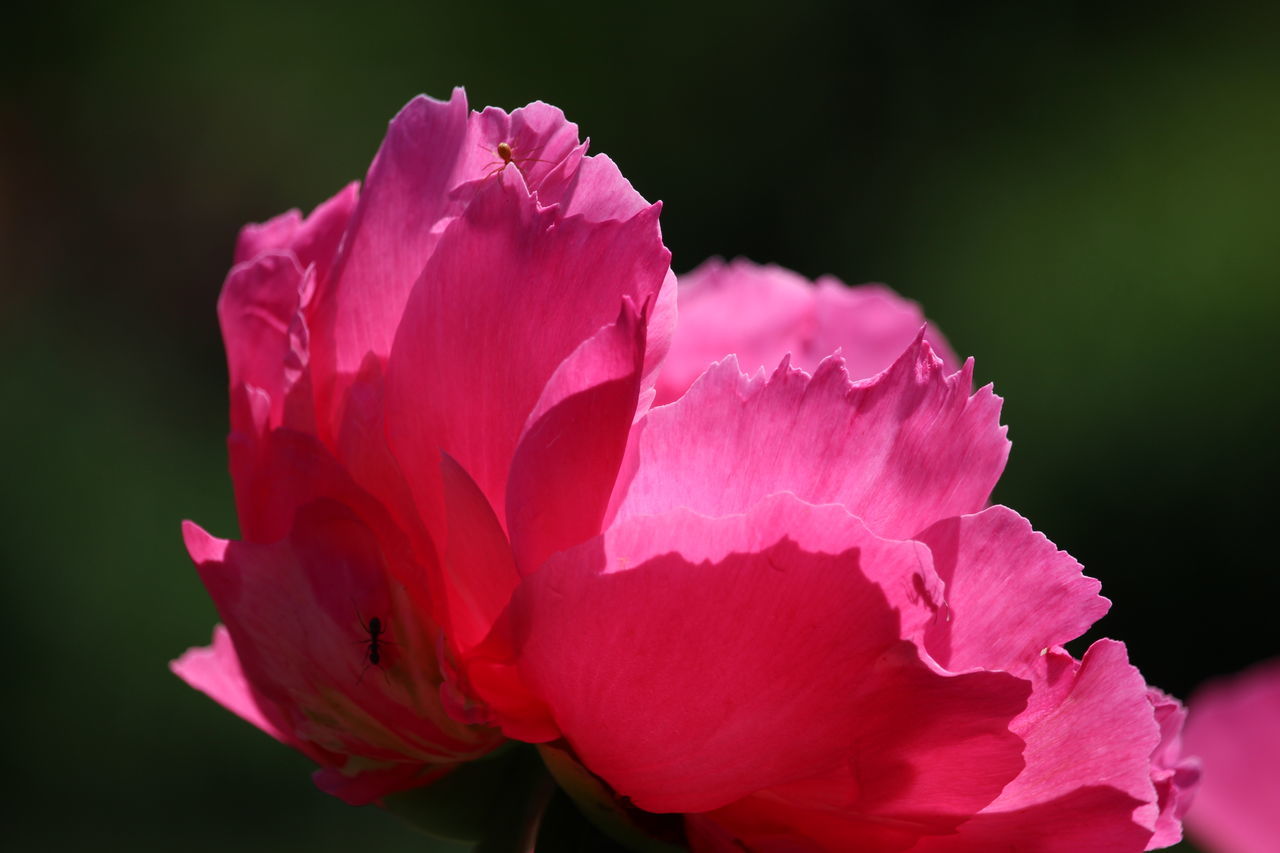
[(373, 646)]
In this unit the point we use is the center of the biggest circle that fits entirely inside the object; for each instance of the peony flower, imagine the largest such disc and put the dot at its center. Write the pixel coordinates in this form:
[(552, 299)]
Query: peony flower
[(1234, 728), (472, 329), (778, 611), (761, 313)]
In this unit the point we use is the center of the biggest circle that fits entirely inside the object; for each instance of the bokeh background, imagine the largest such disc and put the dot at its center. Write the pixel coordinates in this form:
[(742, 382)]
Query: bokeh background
[(1083, 197)]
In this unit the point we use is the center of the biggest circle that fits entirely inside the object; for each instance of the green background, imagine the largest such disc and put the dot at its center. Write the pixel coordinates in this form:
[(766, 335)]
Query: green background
[(1083, 198)]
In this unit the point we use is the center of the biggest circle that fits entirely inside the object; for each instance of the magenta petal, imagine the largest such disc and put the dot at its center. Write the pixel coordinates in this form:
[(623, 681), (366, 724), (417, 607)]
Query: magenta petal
[(1234, 726), (1087, 784), (389, 238), (870, 325), (258, 309), (760, 313), (683, 658), (215, 671), (476, 347), (899, 451), (479, 574), (567, 460), (312, 241), (1175, 775), (1010, 593), (297, 612)]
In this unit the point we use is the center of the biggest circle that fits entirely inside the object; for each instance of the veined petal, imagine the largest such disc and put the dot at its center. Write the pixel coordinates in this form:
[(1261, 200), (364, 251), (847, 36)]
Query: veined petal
[(900, 451), (388, 239), (1090, 732), (761, 313), (1010, 593)]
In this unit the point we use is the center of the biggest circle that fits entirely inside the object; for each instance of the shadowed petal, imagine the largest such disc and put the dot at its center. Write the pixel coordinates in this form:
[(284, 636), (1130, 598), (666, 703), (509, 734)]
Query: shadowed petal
[(686, 659)]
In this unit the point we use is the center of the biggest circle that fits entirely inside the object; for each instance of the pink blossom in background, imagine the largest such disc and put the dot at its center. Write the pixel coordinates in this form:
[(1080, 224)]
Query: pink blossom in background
[(779, 608), (762, 312), (487, 284), (1234, 727)]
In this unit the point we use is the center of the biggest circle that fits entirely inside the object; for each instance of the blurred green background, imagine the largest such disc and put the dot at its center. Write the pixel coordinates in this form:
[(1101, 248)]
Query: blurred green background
[(1083, 197)]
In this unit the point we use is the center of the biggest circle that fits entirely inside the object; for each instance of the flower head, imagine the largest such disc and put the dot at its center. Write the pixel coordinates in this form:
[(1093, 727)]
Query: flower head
[(780, 608)]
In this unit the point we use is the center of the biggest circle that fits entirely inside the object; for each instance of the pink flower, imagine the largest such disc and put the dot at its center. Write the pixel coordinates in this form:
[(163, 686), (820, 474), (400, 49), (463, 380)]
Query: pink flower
[(1235, 730), (413, 350), (761, 313), (779, 608)]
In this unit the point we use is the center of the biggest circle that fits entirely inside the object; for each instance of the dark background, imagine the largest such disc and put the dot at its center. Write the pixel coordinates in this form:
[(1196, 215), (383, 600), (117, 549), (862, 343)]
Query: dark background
[(1083, 198)]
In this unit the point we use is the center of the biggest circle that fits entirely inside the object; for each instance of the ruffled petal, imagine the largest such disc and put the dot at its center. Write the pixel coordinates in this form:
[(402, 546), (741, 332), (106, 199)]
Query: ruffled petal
[(761, 313), (683, 659), (900, 451), (1010, 593), (1090, 732)]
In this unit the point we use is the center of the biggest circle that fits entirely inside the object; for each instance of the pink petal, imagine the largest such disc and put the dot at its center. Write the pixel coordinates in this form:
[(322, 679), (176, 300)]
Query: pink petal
[(758, 313), (266, 345), (388, 239), (900, 451), (567, 460), (1176, 776), (870, 324), (683, 658), (1090, 732), (215, 671), (312, 241), (476, 347), (761, 313), (1010, 593), (285, 470), (435, 159), (297, 612), (479, 573), (1234, 727)]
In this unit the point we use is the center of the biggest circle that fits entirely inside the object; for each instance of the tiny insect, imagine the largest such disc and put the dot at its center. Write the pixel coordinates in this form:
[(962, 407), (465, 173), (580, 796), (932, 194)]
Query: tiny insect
[(373, 646), (507, 157)]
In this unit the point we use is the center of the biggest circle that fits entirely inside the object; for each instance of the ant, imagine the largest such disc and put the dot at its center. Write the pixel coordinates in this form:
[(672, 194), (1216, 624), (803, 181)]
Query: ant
[(373, 646), (507, 157)]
